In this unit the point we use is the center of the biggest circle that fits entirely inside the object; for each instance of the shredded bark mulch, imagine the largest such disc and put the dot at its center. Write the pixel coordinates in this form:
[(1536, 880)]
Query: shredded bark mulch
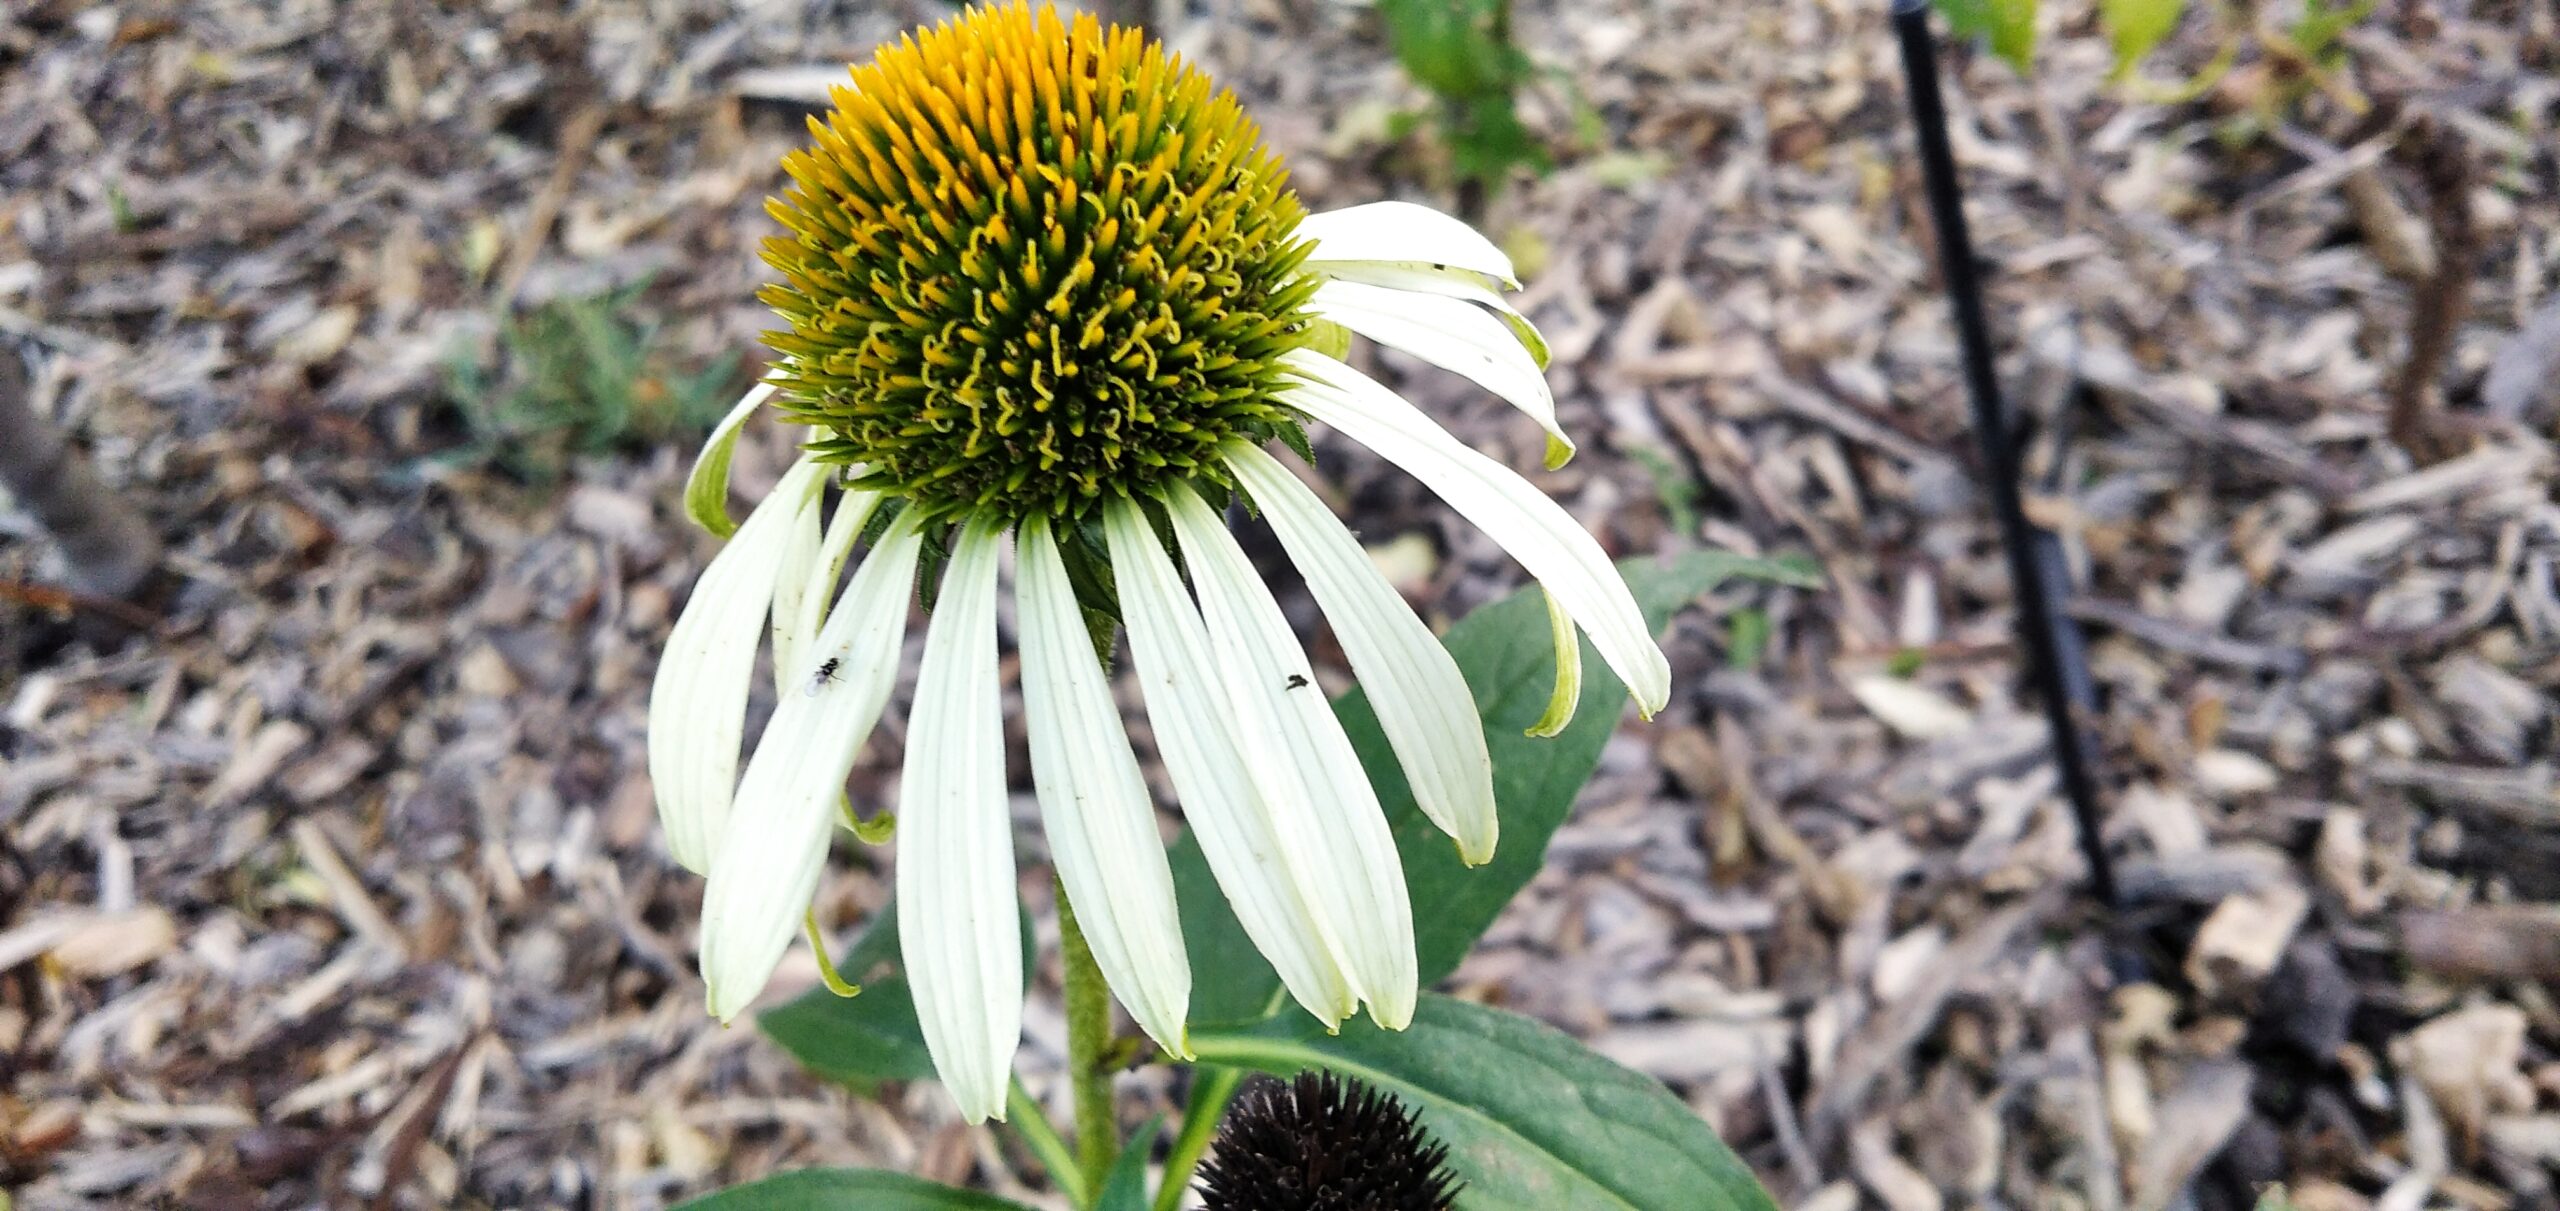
[(339, 884)]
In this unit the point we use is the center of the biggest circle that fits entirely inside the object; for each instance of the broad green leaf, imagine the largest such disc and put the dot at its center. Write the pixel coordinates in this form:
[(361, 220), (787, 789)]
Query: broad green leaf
[(2008, 25), (859, 1041), (1504, 652), (2137, 26), (865, 1039), (1534, 1121), (847, 1190), (1125, 1189)]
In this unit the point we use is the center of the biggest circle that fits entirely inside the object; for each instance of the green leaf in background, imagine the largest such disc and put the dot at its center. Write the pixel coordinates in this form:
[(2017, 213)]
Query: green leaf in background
[(2137, 26), (1463, 52), (870, 1038), (1448, 46), (1534, 1121), (2317, 32), (847, 1190), (1509, 665), (1125, 1189), (2008, 25), (1746, 638), (1487, 139)]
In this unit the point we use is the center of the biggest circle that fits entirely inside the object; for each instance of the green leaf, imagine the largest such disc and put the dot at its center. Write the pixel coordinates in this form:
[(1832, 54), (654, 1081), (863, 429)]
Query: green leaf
[(1746, 638), (1906, 663), (1509, 665), (859, 1041), (1448, 46), (2008, 25), (1534, 1121), (866, 1039), (847, 1190), (1125, 1188), (2137, 26), (1462, 51), (2318, 30), (1487, 139)]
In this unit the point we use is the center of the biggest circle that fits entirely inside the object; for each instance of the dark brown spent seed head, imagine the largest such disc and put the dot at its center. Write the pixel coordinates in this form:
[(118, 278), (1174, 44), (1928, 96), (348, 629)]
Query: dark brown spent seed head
[(1325, 1143)]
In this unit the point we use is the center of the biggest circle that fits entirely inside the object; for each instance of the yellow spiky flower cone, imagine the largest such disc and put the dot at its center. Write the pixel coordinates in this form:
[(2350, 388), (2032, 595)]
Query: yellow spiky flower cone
[(1031, 264)]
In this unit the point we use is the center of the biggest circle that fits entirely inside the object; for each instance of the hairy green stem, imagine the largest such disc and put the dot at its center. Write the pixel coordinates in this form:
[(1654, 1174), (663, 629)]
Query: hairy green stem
[(1032, 1123), (1211, 1090), (1088, 1045)]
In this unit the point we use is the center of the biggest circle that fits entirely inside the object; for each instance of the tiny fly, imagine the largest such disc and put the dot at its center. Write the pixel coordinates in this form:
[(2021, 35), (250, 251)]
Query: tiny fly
[(1296, 680), (826, 673)]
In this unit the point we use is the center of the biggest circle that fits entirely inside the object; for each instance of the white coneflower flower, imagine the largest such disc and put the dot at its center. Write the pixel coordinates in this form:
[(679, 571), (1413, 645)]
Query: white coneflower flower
[(1046, 289)]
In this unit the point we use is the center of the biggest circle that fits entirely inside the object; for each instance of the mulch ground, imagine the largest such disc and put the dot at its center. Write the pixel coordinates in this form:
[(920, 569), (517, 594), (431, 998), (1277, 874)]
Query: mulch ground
[(341, 886)]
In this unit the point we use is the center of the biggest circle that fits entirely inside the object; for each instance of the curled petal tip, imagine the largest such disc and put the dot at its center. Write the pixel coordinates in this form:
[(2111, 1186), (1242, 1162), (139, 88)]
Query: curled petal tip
[(1649, 703)]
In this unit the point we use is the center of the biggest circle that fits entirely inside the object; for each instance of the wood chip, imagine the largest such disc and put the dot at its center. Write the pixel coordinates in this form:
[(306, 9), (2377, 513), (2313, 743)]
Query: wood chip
[(2197, 1117), (2239, 946), (112, 944), (1914, 711)]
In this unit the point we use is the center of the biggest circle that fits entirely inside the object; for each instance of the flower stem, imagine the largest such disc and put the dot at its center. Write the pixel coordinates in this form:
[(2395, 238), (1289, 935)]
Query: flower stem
[(1088, 1041), (1041, 1135), (1211, 1089)]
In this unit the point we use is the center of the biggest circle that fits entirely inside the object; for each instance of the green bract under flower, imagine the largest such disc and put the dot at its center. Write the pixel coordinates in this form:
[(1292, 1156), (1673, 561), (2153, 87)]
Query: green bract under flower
[(1031, 267)]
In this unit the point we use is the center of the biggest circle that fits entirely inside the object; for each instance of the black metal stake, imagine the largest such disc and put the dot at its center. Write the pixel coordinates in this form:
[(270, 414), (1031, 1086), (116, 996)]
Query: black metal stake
[(2053, 643)]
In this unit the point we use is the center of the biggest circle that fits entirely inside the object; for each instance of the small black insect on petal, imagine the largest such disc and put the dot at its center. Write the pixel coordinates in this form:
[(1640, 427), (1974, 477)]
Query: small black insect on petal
[(826, 673), (1325, 1143)]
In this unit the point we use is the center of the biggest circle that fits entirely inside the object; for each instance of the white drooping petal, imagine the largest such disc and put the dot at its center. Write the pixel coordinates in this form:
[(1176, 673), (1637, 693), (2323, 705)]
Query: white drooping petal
[(808, 581), (706, 490), (959, 932), (769, 856), (698, 703), (1456, 284), (1456, 336), (793, 585), (1401, 233), (1094, 805), (1356, 878), (1257, 847), (1535, 530), (1422, 700)]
